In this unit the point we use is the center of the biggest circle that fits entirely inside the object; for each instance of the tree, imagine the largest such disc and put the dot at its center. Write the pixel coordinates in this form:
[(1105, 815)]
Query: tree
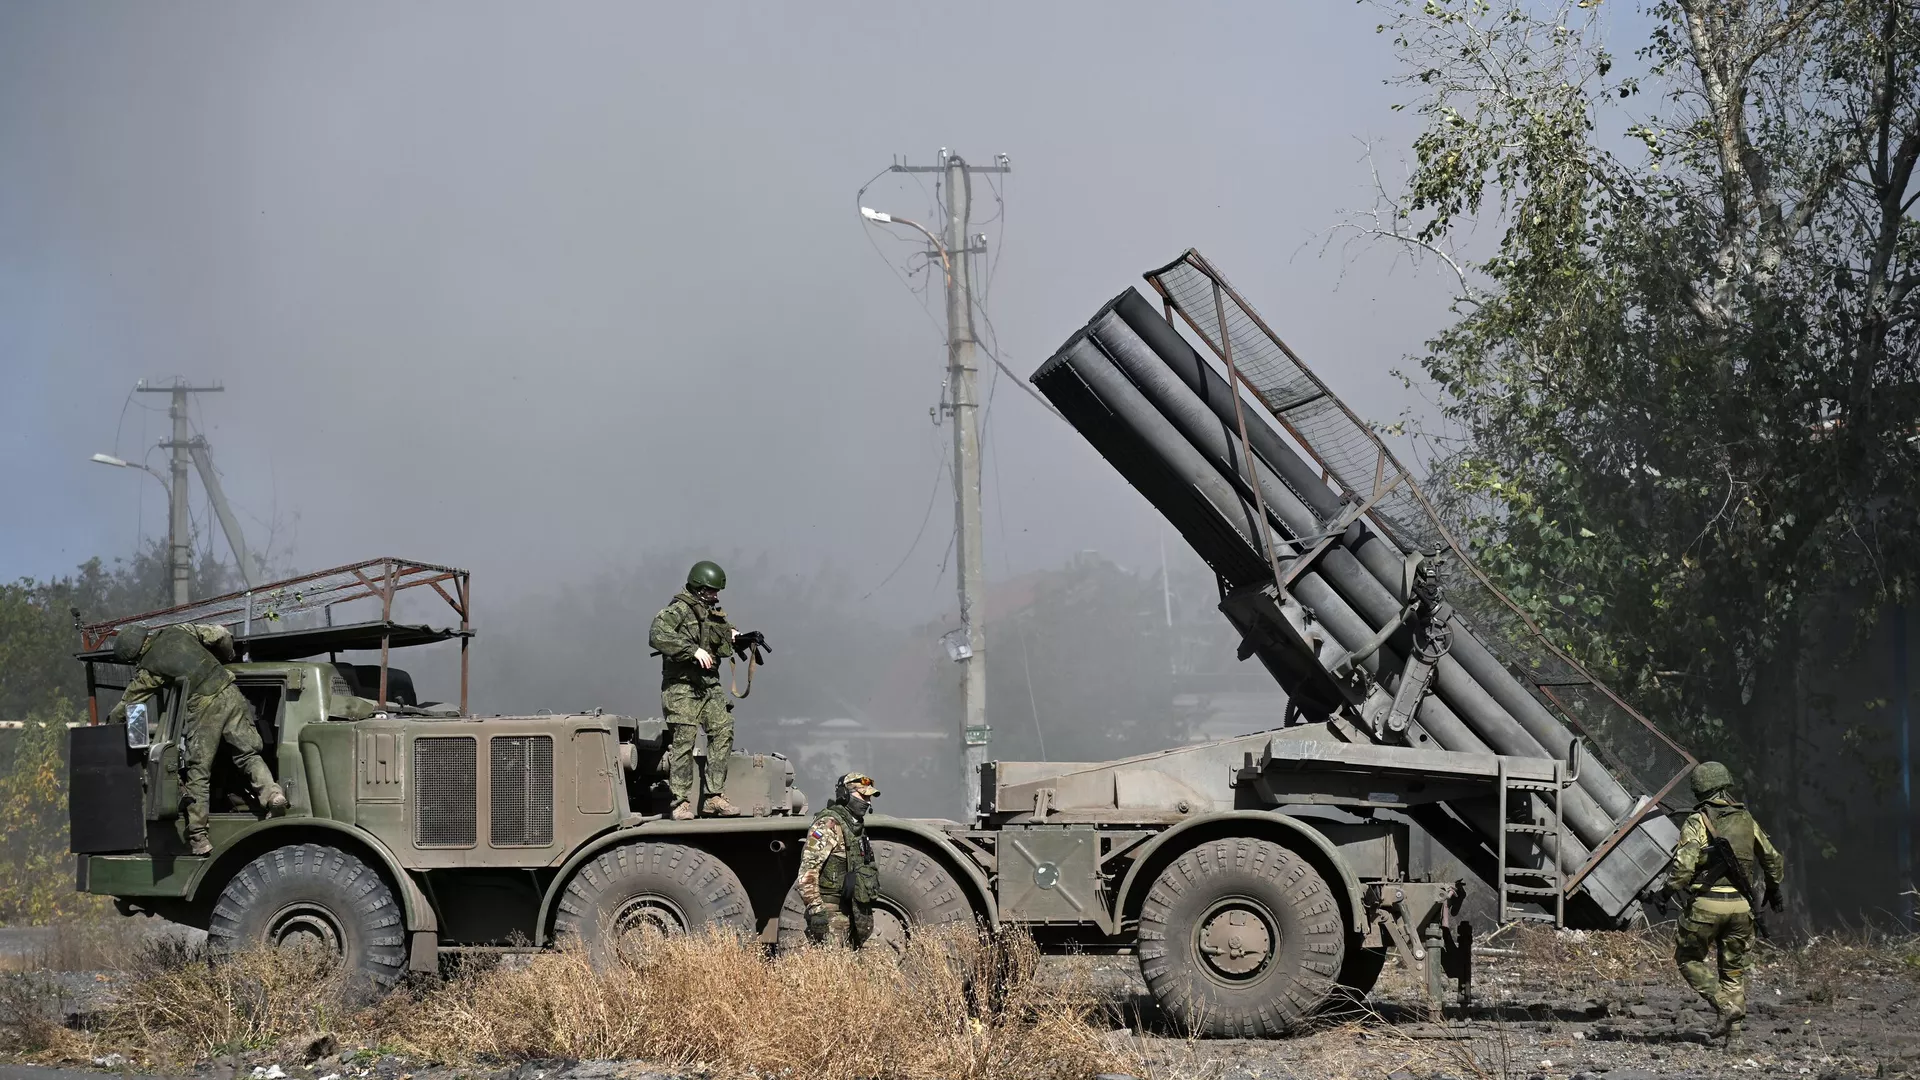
[(1681, 389)]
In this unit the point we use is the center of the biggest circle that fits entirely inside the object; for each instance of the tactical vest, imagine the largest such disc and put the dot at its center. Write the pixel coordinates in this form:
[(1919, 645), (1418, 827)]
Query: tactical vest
[(710, 632), (849, 874), (1732, 822), (175, 653)]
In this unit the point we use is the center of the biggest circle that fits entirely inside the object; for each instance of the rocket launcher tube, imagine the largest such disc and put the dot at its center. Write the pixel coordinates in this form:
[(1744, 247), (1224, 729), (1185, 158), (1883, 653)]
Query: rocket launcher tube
[(1375, 605), (1146, 448), (1381, 557)]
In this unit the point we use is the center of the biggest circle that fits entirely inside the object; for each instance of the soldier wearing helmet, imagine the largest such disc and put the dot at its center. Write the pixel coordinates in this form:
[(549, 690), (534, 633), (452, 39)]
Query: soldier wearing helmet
[(691, 634), (839, 880), (195, 654), (1719, 901)]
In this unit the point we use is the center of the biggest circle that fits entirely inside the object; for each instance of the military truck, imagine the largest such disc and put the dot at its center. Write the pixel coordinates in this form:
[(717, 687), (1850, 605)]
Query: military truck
[(1257, 879)]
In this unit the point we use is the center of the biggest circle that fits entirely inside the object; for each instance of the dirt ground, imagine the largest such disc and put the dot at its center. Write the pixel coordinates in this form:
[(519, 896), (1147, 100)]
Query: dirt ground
[(1602, 1006), (1544, 1004)]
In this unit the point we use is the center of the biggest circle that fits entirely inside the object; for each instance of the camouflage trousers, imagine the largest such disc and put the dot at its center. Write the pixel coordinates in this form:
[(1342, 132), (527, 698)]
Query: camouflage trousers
[(212, 719), (1725, 925), (690, 710), (832, 924)]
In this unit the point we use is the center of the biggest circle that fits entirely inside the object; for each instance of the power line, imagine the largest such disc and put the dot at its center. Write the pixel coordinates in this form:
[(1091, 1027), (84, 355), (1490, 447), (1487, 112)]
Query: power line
[(933, 496)]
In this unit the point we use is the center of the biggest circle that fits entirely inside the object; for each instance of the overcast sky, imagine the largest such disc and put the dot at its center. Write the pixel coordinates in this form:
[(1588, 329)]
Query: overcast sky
[(534, 288)]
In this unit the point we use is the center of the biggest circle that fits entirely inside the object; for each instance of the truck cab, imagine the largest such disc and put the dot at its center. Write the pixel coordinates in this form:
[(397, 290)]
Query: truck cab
[(414, 827)]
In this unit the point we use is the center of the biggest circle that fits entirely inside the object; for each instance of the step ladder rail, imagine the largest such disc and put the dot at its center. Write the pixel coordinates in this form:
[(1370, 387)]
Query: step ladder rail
[(1500, 819), (1549, 819)]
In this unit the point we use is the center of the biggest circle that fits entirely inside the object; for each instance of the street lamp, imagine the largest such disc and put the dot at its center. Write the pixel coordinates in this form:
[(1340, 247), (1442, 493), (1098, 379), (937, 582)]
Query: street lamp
[(121, 463), (873, 215)]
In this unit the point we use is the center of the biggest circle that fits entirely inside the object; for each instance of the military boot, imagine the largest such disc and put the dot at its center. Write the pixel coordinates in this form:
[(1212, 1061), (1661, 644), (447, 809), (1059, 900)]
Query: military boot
[(198, 844), (274, 799), (683, 812), (718, 806)]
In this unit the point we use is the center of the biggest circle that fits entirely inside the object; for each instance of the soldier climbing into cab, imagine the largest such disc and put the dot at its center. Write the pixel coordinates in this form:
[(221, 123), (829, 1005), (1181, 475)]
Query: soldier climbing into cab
[(216, 712), (1722, 853), (691, 634), (838, 879)]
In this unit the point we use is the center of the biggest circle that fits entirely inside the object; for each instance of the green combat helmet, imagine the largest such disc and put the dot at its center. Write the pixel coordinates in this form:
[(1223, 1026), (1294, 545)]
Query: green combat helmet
[(126, 644), (708, 574), (1710, 777)]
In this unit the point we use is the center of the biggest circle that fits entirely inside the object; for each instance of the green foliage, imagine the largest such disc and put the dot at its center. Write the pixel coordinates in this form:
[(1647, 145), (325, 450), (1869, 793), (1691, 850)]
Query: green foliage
[(1682, 387)]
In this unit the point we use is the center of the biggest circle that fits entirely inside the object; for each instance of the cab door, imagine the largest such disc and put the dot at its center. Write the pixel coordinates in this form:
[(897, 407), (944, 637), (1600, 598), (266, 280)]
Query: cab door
[(165, 754)]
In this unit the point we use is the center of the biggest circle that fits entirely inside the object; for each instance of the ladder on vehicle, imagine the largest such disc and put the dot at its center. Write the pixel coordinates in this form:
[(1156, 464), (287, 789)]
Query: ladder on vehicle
[(1541, 884)]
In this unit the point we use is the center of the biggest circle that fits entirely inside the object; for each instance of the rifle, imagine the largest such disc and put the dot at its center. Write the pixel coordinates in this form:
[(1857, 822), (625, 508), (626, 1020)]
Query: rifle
[(755, 642), (1722, 864), (751, 647)]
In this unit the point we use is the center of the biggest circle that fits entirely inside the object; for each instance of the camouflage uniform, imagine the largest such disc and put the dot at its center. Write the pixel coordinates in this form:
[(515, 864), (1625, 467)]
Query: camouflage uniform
[(691, 695), (838, 878), (216, 712), (1718, 916)]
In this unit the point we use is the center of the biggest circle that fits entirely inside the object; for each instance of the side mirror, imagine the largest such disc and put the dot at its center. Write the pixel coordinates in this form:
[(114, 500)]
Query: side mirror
[(139, 734)]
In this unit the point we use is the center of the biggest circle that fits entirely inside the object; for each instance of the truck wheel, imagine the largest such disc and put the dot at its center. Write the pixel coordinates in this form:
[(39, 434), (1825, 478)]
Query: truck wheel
[(915, 891), (308, 895), (1240, 937), (670, 888)]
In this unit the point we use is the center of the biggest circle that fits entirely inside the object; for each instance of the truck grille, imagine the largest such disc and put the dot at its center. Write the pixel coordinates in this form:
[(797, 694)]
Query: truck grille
[(444, 807), (522, 782)]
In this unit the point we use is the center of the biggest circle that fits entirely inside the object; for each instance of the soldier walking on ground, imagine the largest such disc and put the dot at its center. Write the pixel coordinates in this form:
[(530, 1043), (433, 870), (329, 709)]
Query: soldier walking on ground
[(217, 712), (838, 879), (691, 634), (1723, 852)]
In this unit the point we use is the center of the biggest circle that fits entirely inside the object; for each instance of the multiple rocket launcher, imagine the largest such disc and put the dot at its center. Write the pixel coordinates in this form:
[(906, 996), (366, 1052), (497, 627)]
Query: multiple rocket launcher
[(1334, 602)]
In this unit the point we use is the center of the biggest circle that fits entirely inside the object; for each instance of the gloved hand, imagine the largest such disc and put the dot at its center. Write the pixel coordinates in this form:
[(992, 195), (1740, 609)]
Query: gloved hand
[(819, 922), (1774, 899), (704, 658)]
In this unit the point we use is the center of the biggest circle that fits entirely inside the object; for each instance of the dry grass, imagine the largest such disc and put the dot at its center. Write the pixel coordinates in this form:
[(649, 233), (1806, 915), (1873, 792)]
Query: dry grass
[(179, 1006), (956, 1005), (30, 1015)]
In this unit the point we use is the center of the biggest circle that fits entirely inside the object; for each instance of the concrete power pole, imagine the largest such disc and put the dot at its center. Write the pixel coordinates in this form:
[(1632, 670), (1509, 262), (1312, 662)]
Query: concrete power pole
[(179, 531), (963, 402)]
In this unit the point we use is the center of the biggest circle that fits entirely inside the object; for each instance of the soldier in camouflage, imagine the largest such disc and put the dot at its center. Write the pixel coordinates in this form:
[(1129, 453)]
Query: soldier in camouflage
[(1717, 915), (839, 880), (691, 634), (216, 712)]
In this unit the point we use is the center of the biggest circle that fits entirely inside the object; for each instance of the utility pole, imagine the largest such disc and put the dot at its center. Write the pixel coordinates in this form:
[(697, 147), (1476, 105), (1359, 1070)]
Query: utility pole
[(963, 408), (179, 531)]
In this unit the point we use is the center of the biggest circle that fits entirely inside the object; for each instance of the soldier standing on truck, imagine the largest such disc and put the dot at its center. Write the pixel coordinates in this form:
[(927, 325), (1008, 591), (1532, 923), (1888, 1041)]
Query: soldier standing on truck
[(838, 879), (691, 634), (216, 712), (1722, 852)]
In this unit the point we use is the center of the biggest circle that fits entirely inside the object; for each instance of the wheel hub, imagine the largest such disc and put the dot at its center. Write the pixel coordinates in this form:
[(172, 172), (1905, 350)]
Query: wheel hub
[(305, 927), (1235, 941), (650, 913)]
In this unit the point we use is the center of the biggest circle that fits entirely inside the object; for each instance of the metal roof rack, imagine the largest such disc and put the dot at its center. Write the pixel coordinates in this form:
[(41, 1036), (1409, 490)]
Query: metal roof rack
[(293, 618)]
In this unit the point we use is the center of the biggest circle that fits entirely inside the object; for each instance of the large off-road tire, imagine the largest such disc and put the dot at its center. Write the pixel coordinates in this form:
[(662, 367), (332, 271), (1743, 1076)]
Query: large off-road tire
[(1240, 937), (915, 891), (669, 888), (314, 896)]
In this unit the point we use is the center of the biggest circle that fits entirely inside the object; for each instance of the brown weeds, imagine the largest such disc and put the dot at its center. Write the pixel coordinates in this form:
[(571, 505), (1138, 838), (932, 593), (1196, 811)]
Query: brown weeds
[(179, 1005), (953, 1004)]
